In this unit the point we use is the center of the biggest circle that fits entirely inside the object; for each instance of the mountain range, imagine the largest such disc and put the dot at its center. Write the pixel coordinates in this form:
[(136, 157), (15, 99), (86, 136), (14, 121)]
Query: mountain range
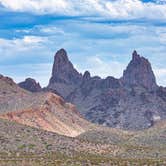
[(82, 119), (133, 102)]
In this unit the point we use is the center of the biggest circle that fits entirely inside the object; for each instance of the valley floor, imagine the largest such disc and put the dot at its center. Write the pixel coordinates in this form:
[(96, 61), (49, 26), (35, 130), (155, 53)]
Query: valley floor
[(57, 159), (27, 146)]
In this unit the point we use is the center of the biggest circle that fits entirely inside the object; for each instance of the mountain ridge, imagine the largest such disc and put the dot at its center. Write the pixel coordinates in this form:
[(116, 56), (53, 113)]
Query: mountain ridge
[(42, 126), (110, 101)]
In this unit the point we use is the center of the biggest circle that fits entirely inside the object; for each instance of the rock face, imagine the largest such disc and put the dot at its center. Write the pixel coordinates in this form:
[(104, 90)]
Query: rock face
[(139, 73), (64, 76), (132, 102), (43, 110), (30, 85)]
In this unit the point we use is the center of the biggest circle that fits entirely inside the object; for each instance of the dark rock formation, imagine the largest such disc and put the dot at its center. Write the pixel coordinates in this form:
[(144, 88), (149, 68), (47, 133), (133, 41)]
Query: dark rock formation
[(132, 102), (64, 76), (63, 70), (30, 85), (86, 76), (139, 73)]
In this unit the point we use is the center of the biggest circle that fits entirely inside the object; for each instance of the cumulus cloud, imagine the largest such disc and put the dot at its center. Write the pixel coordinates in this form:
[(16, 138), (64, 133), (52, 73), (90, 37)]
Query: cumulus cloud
[(38, 6), (99, 67), (119, 9), (17, 46), (25, 57), (160, 75), (32, 39)]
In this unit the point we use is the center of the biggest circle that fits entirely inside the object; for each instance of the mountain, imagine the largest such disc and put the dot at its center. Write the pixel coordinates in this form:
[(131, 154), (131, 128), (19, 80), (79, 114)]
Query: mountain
[(42, 129), (132, 102), (139, 73), (30, 85), (43, 110), (64, 76)]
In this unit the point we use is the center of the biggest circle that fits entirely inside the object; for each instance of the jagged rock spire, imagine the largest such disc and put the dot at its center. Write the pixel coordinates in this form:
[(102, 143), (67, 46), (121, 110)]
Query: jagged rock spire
[(86, 75), (139, 72), (64, 77), (60, 59), (63, 70), (135, 56)]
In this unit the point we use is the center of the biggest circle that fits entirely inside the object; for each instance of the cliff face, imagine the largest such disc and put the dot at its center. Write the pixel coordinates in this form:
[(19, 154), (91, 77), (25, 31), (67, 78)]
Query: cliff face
[(139, 73), (64, 76), (132, 102), (63, 70)]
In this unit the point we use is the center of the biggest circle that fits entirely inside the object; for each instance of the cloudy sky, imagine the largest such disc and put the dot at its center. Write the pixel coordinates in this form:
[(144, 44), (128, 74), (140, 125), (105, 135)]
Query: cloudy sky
[(99, 36)]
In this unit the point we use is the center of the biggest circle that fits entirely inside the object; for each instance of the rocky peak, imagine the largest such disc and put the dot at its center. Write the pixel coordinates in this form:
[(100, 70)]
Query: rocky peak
[(61, 57), (30, 85), (135, 56), (139, 73), (86, 75), (63, 70)]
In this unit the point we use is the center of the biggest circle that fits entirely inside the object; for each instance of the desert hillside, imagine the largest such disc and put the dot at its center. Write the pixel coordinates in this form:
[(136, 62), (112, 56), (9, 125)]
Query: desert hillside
[(42, 110)]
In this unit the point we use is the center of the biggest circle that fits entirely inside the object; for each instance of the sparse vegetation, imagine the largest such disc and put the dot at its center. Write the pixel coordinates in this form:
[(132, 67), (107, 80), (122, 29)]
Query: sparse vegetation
[(21, 145), (39, 148)]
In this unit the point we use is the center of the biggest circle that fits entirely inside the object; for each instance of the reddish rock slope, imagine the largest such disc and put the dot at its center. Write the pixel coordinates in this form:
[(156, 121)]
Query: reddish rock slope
[(41, 110)]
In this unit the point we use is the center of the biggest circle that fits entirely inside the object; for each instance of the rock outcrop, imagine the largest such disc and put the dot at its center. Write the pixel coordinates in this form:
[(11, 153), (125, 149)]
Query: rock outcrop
[(64, 76), (30, 85), (132, 102), (139, 73)]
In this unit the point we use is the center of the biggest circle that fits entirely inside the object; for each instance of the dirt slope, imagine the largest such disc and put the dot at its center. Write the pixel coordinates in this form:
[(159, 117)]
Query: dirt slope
[(41, 110)]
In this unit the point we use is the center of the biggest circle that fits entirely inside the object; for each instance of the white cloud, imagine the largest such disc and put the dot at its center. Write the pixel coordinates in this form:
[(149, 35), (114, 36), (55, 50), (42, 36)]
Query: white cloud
[(51, 30), (161, 33), (126, 9), (33, 39), (83, 41), (136, 9), (99, 67), (38, 6), (160, 75), (15, 47), (160, 72), (47, 30), (23, 51), (26, 40)]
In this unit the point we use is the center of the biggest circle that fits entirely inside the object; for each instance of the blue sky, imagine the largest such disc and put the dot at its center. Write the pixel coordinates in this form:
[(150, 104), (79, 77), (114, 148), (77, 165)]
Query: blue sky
[(99, 36)]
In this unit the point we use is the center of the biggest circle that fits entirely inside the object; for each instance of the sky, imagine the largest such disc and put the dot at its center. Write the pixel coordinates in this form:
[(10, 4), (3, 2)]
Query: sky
[(99, 36)]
